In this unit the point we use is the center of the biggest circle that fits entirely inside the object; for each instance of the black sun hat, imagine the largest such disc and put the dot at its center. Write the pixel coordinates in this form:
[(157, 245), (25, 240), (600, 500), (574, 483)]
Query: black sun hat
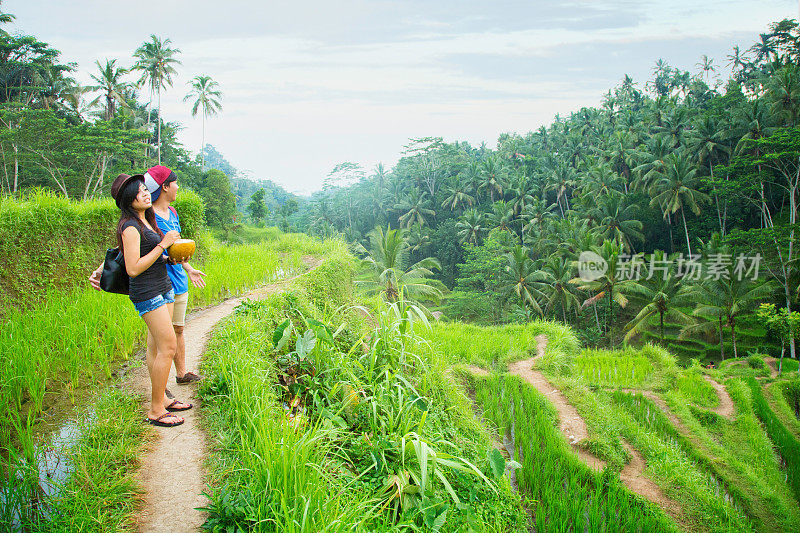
[(120, 183)]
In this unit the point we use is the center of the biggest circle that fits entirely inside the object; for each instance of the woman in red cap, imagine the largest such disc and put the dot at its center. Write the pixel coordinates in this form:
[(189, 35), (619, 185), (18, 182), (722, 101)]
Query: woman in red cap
[(143, 245)]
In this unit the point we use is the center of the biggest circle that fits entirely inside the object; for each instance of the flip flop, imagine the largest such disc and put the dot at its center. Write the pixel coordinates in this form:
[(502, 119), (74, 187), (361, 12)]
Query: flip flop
[(158, 421), (176, 409)]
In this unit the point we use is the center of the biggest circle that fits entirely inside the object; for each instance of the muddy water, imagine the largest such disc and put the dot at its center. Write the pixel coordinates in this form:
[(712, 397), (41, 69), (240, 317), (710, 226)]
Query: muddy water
[(53, 469)]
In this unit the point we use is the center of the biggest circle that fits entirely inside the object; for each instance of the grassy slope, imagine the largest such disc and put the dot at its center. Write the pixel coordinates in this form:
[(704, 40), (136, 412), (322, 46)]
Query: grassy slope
[(695, 470), (70, 344), (323, 476)]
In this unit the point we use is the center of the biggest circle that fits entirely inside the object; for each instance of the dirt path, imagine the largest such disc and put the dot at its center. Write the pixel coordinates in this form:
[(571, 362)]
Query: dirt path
[(569, 421), (773, 366), (574, 428), (171, 473), (726, 407)]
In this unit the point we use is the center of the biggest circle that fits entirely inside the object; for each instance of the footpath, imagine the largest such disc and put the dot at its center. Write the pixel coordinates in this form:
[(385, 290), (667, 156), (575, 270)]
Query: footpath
[(171, 473)]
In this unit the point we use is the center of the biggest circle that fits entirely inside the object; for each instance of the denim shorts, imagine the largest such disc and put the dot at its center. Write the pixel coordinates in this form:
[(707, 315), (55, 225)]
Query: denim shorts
[(154, 303)]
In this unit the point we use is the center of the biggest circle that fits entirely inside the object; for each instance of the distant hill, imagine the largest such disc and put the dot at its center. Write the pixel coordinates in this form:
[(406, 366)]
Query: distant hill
[(244, 187)]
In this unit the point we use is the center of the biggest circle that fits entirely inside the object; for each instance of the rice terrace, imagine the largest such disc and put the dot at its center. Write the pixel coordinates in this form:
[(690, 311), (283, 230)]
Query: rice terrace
[(510, 267)]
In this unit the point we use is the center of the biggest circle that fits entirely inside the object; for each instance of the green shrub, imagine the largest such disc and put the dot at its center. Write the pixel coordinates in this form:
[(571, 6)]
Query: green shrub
[(191, 210), (48, 242), (756, 361)]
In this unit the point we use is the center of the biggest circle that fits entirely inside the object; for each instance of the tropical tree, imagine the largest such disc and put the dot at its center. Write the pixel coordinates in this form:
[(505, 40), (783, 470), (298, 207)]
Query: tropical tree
[(660, 295), (678, 189), (556, 288), (611, 284), (156, 61), (617, 221), (386, 268), (720, 302), (521, 278), (415, 209), (206, 95), (471, 227), (110, 84)]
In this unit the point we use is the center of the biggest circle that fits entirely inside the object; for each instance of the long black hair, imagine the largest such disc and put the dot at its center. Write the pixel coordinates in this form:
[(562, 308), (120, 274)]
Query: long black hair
[(126, 197)]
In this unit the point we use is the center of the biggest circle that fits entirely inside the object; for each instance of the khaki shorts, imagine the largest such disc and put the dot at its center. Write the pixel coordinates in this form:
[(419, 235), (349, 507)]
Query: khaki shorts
[(179, 310)]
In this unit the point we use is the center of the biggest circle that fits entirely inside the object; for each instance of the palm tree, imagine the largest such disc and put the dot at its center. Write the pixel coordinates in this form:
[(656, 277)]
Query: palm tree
[(661, 295), (457, 197), (109, 80), (707, 141), (706, 65), (736, 60), (556, 287), (156, 60), (783, 92), (471, 228), (617, 221), (501, 217), (206, 94), (415, 209), (720, 302), (610, 284), (561, 181), (678, 189), (387, 271), (521, 278), (492, 175)]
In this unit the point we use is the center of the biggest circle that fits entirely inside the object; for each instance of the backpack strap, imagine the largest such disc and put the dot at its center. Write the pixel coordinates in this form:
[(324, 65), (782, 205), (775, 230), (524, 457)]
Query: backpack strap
[(173, 211)]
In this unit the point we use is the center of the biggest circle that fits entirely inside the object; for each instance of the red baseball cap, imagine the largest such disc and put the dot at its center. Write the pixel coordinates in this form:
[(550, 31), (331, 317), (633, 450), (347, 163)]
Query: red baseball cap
[(157, 176)]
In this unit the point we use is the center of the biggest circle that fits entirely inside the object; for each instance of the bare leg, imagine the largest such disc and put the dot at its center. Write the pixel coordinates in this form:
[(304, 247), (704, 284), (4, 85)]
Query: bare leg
[(180, 355), (159, 324)]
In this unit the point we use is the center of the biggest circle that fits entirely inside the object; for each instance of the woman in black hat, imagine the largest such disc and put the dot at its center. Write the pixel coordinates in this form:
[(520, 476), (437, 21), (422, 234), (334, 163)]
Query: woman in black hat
[(143, 246)]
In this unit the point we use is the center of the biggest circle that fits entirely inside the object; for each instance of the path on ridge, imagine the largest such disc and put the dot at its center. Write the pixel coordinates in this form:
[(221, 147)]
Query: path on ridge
[(574, 429), (171, 472)]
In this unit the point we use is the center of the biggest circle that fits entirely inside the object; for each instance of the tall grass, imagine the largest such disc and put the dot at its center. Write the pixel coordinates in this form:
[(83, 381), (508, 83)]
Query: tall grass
[(334, 466), (787, 445), (496, 346), (565, 495), (72, 339), (98, 492)]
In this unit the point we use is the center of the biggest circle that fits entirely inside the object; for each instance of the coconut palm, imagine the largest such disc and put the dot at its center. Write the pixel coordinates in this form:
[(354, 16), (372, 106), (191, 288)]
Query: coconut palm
[(783, 93), (720, 302), (556, 287), (415, 209), (206, 95), (521, 278), (457, 197), (492, 178), (109, 81), (678, 189), (617, 221), (562, 179), (471, 227), (501, 217), (611, 284), (660, 295), (156, 61), (386, 268)]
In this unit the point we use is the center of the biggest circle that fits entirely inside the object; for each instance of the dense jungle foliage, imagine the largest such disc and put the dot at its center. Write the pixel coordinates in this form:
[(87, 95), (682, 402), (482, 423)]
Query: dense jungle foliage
[(687, 179)]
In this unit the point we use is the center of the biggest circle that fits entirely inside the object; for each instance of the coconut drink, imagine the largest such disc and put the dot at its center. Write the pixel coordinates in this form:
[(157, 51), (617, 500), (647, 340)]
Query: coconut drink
[(181, 250)]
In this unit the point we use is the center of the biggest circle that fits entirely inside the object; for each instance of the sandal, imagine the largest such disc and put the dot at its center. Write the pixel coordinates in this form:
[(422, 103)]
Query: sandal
[(171, 407), (159, 421), (189, 377)]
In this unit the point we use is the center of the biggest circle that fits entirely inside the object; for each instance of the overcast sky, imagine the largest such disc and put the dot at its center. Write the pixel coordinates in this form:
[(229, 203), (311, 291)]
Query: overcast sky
[(311, 84)]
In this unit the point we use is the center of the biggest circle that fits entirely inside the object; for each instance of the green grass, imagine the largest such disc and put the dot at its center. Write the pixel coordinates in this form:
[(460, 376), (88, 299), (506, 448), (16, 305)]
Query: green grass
[(563, 493), (101, 494), (496, 346), (327, 469), (694, 388), (679, 475), (786, 444)]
